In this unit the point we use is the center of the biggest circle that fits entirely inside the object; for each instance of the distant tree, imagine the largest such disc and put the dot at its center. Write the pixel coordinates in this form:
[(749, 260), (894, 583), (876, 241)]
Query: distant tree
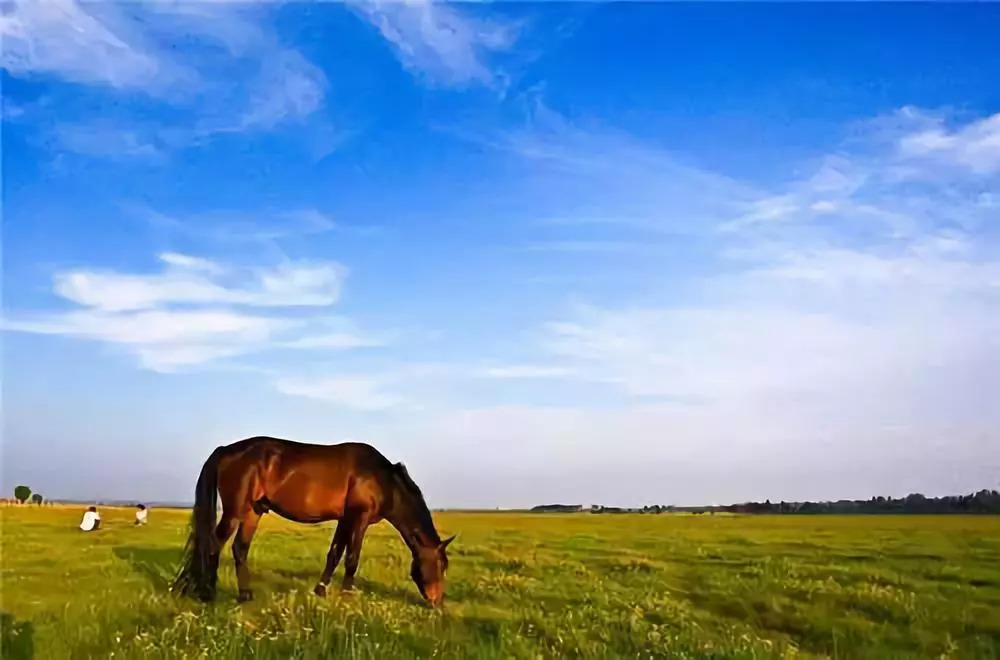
[(559, 508), (22, 493), (36, 499)]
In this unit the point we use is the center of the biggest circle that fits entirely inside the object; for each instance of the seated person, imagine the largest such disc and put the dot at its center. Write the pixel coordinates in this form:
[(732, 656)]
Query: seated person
[(140, 514), (91, 520)]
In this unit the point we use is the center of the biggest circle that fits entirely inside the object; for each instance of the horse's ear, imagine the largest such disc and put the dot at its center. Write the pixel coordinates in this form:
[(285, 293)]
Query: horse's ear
[(444, 543)]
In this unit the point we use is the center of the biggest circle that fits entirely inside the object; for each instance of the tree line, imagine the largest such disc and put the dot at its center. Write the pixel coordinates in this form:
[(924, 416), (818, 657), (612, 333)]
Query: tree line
[(984, 501)]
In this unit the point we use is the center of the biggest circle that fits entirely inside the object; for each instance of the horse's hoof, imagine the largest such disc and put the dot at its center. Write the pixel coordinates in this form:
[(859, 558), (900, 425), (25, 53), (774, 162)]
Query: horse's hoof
[(347, 591), (245, 596), (320, 590)]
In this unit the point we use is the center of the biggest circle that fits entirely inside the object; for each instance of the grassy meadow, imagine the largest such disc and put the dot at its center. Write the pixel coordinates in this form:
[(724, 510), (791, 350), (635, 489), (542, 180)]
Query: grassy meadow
[(520, 585)]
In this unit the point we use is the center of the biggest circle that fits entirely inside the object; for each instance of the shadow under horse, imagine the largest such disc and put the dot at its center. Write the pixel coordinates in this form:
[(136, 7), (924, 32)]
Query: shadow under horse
[(350, 482)]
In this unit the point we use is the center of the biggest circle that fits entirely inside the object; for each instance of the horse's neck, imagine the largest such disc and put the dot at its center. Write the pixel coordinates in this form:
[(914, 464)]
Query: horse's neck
[(407, 519)]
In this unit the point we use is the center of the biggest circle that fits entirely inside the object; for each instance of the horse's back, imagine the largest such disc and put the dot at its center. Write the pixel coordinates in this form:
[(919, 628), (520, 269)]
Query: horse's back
[(356, 450), (311, 482)]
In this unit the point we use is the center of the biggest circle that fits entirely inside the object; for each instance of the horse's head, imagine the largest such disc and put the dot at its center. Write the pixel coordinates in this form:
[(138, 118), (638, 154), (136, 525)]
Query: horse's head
[(427, 570)]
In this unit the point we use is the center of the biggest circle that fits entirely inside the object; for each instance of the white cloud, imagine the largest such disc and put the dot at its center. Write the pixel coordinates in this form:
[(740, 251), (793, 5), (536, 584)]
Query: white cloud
[(251, 83), (190, 263), (197, 281), (888, 188), (163, 340), (935, 267), (834, 335), (360, 393), (848, 276), (289, 87), (62, 37), (830, 190), (448, 45), (832, 396), (337, 333), (975, 146), (758, 353), (157, 326), (188, 313)]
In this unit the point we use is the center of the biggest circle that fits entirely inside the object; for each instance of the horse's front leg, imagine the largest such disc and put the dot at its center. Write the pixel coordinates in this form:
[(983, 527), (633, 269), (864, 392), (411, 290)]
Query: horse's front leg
[(337, 546), (356, 538)]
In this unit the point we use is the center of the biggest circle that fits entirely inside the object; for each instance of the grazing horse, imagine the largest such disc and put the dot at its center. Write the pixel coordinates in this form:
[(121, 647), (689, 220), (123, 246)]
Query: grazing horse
[(351, 482)]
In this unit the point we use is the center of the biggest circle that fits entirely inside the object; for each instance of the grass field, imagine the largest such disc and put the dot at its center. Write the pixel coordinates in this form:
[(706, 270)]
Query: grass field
[(520, 586)]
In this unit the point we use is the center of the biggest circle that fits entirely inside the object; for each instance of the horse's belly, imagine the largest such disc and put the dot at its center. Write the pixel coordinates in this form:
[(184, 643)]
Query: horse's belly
[(315, 503)]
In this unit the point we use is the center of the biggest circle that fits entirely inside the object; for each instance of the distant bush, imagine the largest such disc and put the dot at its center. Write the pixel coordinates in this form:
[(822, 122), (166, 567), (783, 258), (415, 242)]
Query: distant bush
[(22, 493), (36, 499)]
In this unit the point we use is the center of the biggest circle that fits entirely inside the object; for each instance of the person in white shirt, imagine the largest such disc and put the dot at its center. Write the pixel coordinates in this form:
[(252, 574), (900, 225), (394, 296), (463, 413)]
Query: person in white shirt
[(140, 514), (91, 520)]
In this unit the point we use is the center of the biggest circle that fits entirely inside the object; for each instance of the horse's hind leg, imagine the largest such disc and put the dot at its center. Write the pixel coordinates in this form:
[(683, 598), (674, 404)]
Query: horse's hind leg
[(241, 549), (337, 545), (223, 531), (237, 511)]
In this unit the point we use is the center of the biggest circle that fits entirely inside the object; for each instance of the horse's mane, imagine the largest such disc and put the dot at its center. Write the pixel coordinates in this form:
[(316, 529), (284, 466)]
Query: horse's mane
[(419, 506)]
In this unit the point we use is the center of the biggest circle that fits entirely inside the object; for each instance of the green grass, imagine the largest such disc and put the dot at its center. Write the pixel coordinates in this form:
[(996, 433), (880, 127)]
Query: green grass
[(520, 586)]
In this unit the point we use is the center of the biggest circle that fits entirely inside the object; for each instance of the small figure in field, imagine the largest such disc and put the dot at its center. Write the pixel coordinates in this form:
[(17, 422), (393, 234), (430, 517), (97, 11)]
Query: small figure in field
[(140, 514), (91, 520)]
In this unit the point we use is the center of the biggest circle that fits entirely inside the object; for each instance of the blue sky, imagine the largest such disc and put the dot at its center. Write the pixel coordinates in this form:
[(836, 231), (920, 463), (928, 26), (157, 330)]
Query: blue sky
[(627, 254)]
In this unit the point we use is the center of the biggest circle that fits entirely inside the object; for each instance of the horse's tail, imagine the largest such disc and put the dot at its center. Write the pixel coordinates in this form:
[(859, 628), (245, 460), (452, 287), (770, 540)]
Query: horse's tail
[(200, 565)]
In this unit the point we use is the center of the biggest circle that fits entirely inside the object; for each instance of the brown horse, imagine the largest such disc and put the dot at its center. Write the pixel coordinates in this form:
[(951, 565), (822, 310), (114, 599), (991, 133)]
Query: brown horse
[(351, 482)]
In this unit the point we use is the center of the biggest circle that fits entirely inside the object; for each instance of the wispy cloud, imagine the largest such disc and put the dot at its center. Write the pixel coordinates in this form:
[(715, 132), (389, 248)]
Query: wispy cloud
[(446, 44), (241, 227), (340, 340), (84, 45), (104, 139), (338, 333), (358, 392), (524, 371), (903, 179), (974, 146), (599, 177), (235, 76), (288, 87), (848, 272), (188, 280), (194, 311), (843, 320), (163, 340)]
